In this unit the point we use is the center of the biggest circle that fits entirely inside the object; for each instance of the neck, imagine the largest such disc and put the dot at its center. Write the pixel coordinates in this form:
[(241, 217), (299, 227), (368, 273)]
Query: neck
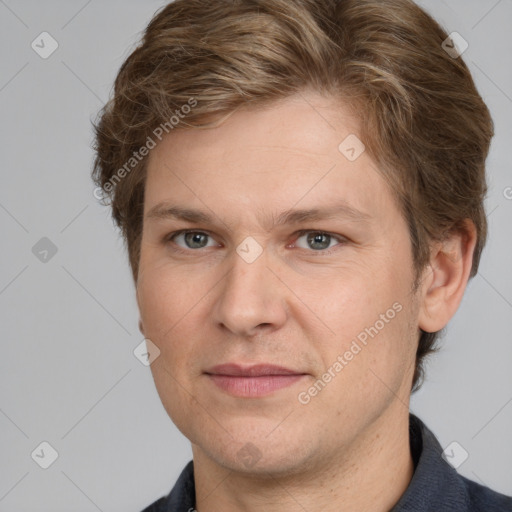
[(371, 475)]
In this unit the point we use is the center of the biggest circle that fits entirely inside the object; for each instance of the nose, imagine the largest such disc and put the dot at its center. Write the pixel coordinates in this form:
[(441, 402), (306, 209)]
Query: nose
[(251, 299)]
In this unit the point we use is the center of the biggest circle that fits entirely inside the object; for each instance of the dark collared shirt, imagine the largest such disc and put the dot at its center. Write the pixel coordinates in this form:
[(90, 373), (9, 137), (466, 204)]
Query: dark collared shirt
[(435, 485)]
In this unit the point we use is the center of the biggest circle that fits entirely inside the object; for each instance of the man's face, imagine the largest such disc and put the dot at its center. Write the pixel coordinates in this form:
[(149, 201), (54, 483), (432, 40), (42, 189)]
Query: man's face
[(240, 289)]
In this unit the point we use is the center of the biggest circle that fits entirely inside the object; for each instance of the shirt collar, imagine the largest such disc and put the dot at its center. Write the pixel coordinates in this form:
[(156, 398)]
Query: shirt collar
[(434, 483)]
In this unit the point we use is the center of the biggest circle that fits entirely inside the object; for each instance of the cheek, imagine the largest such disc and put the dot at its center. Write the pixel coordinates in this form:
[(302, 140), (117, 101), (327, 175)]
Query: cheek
[(391, 352), (164, 297), (169, 305), (370, 374), (351, 300), (371, 323), (166, 301), (172, 387)]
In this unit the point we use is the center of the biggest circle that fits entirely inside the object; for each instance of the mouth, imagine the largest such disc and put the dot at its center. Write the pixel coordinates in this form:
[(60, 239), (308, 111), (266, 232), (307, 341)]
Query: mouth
[(252, 381)]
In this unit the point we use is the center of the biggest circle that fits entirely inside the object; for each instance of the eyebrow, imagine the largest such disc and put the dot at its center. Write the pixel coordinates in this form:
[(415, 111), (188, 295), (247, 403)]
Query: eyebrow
[(339, 210)]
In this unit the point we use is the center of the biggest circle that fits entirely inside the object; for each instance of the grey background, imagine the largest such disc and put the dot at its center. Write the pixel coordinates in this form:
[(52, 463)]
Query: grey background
[(69, 326)]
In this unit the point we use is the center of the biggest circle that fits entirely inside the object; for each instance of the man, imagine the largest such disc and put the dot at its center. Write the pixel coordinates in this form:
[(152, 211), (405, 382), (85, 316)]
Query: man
[(300, 186)]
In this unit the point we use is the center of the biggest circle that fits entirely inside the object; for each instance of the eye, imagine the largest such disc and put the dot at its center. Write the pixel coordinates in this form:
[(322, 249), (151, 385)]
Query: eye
[(319, 241), (192, 239)]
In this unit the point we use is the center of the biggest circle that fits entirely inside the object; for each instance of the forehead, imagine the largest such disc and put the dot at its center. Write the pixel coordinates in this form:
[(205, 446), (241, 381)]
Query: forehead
[(295, 154)]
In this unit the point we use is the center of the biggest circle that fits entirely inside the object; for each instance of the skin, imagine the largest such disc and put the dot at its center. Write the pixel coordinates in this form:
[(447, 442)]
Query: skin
[(295, 306)]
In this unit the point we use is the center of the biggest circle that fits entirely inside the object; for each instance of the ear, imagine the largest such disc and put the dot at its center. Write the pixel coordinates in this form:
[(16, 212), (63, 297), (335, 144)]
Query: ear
[(445, 279), (141, 327)]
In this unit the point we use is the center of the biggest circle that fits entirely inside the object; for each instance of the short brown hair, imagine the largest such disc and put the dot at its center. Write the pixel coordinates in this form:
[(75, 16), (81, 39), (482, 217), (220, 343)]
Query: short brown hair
[(422, 119)]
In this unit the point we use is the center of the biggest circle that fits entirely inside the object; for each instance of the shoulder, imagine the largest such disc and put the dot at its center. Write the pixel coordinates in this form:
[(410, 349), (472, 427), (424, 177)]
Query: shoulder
[(182, 495), (436, 485), (484, 499), (157, 506)]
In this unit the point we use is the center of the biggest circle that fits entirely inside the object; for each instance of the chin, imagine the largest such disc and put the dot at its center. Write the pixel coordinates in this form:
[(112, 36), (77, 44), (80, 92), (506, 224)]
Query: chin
[(261, 453)]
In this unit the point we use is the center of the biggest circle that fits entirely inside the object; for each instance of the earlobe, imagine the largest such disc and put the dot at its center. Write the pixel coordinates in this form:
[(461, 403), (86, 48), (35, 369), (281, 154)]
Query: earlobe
[(141, 327), (446, 278)]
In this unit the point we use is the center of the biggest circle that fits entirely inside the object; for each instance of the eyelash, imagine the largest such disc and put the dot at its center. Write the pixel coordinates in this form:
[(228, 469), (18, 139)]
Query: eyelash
[(323, 252)]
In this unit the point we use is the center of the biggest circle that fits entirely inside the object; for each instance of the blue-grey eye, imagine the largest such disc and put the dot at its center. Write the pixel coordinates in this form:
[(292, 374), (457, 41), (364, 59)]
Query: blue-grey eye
[(317, 240), (193, 239)]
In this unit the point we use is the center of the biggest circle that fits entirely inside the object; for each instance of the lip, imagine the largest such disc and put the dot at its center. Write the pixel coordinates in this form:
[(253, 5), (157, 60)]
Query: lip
[(256, 370), (252, 381)]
